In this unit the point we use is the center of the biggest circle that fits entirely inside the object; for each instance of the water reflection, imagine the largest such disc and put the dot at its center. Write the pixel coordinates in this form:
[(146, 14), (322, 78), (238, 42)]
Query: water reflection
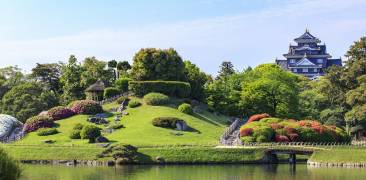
[(188, 172)]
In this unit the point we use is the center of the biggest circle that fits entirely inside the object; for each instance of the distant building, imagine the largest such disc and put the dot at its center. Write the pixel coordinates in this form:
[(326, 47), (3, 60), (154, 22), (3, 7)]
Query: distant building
[(308, 57), (95, 92)]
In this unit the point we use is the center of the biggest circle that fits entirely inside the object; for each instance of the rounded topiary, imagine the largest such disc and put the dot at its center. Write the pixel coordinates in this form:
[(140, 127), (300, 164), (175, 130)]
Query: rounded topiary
[(185, 108), (60, 112), (90, 132), (87, 107), (37, 122), (156, 99), (46, 131), (75, 134), (111, 92), (134, 103), (166, 122)]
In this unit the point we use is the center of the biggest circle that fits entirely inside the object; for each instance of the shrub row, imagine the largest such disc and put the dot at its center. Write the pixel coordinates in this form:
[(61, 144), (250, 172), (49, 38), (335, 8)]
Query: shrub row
[(171, 88)]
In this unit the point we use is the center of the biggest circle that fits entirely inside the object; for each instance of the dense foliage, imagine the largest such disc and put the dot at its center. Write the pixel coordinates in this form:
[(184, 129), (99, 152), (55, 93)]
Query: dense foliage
[(87, 107), (185, 108), (37, 122), (111, 92), (197, 79), (60, 112), (280, 130), (134, 103), (27, 100), (156, 99), (171, 88), (122, 84), (157, 64), (9, 169), (90, 132), (166, 122)]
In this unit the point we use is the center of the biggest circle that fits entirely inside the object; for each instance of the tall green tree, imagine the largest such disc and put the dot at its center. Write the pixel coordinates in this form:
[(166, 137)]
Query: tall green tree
[(94, 70), (71, 81), (226, 69), (158, 64), (112, 63), (197, 79), (49, 74)]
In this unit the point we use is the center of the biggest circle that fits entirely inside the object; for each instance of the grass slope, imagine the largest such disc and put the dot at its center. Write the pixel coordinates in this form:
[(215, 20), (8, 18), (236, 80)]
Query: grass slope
[(340, 155)]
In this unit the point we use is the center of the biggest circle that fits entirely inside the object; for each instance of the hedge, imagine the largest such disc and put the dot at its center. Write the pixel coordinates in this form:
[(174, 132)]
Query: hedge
[(37, 122), (111, 92), (171, 88)]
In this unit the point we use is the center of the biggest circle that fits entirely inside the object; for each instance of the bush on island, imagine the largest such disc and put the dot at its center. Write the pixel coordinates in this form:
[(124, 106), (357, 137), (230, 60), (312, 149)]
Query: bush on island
[(46, 131), (9, 169), (60, 112), (156, 99), (280, 130), (134, 103), (166, 122), (171, 88), (111, 92), (90, 132), (185, 108), (37, 122), (87, 107)]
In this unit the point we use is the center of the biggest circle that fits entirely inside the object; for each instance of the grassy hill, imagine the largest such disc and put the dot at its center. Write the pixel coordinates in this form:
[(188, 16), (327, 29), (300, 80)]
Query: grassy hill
[(139, 131)]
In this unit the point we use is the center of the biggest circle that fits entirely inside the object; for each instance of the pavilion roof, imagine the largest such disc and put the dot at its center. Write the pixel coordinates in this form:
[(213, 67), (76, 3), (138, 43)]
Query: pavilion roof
[(97, 86)]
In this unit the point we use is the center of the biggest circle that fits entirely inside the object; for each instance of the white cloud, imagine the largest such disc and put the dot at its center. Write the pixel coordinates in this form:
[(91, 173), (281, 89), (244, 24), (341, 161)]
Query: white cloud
[(246, 39)]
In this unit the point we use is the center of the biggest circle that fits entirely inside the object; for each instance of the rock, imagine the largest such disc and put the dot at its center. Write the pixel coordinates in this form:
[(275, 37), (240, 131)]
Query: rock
[(181, 126), (101, 139), (97, 120), (159, 159), (125, 113), (10, 129)]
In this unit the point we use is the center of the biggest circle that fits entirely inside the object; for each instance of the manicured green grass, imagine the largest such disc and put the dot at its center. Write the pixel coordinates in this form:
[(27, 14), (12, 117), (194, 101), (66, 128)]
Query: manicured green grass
[(200, 155), (139, 131), (340, 155), (20, 152)]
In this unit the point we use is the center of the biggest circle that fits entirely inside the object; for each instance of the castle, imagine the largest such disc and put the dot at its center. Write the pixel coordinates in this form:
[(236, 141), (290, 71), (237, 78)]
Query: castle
[(308, 57)]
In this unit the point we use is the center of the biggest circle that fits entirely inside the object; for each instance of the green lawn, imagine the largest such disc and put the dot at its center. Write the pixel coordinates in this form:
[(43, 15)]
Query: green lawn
[(138, 131), (340, 155)]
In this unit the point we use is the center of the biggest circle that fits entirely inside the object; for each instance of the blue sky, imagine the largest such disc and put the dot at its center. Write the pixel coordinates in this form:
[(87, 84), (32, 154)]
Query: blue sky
[(206, 32)]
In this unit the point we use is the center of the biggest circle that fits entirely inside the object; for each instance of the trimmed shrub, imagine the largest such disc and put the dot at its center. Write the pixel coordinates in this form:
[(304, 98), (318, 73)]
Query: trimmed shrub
[(60, 112), (116, 126), (9, 168), (122, 84), (87, 107), (111, 92), (37, 122), (78, 126), (166, 122), (185, 108), (134, 103), (75, 134), (156, 99), (171, 88), (258, 117), (90, 132), (46, 131)]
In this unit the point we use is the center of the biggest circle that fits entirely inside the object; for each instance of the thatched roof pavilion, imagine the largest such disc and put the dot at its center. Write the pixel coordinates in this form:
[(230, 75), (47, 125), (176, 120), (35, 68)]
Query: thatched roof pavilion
[(95, 91)]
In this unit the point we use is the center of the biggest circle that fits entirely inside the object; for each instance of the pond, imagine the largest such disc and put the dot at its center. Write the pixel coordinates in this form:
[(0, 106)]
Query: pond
[(190, 172)]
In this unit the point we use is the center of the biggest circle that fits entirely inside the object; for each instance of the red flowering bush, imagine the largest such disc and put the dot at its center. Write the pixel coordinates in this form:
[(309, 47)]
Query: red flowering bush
[(37, 122), (60, 112), (258, 117), (309, 123), (246, 132), (290, 130), (86, 107), (281, 138)]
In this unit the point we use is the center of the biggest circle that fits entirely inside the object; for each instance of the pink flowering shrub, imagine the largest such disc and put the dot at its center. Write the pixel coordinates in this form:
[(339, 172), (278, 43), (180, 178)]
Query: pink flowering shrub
[(37, 122), (87, 107), (60, 112)]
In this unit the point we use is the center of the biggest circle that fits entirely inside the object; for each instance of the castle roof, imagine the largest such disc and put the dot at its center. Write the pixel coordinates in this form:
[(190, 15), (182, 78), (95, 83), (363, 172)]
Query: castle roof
[(307, 38)]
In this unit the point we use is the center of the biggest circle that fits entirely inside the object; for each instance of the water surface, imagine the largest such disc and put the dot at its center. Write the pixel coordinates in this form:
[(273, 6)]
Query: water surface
[(190, 172)]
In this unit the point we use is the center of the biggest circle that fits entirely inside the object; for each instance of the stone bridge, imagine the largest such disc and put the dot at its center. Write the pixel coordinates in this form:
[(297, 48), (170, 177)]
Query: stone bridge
[(271, 154)]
